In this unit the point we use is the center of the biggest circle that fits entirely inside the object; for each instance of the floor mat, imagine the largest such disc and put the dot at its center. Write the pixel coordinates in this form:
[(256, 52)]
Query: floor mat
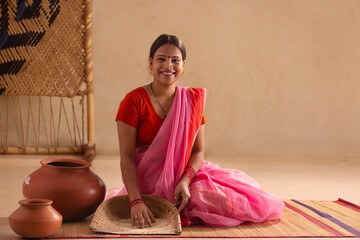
[(301, 219)]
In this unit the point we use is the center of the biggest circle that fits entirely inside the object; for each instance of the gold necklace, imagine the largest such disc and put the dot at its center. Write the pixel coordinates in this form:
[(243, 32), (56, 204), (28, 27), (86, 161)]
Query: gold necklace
[(165, 111)]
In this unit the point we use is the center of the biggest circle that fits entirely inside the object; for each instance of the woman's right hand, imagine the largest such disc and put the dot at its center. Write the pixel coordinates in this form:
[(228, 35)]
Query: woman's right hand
[(141, 216)]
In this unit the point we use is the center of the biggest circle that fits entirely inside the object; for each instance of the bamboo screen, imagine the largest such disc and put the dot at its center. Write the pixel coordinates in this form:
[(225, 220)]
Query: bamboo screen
[(46, 85)]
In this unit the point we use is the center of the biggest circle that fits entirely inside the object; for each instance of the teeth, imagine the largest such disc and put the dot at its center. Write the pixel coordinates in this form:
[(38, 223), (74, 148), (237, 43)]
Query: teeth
[(167, 73)]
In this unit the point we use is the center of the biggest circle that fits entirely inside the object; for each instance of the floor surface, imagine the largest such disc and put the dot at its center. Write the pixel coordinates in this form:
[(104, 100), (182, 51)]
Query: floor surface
[(302, 179)]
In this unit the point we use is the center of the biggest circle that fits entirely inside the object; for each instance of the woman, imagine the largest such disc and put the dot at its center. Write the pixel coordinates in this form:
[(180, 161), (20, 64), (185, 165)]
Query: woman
[(161, 138)]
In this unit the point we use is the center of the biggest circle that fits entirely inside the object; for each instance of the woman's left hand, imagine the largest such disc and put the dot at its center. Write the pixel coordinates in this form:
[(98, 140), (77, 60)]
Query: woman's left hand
[(182, 193)]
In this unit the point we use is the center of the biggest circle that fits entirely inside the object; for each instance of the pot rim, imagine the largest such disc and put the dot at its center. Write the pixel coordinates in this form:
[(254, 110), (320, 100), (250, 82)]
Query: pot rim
[(35, 202), (45, 162)]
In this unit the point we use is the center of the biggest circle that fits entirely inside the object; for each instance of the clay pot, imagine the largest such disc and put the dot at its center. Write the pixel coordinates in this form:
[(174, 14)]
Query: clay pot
[(74, 188), (35, 218)]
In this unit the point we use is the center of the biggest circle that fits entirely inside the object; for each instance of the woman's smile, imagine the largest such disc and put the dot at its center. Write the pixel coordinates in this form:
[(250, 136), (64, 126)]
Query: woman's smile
[(168, 74)]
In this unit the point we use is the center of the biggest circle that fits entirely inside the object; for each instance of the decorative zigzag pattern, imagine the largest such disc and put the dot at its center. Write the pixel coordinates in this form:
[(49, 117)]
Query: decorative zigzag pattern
[(30, 37), (41, 47)]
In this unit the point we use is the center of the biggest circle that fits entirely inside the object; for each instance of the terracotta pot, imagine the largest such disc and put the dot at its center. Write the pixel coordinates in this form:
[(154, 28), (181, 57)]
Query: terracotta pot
[(74, 188), (35, 218)]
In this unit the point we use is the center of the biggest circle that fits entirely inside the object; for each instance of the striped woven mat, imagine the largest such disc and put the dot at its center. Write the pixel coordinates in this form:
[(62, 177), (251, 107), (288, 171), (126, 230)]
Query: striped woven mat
[(301, 219)]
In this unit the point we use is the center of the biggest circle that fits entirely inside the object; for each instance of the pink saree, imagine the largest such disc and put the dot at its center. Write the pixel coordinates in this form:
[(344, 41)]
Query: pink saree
[(219, 197)]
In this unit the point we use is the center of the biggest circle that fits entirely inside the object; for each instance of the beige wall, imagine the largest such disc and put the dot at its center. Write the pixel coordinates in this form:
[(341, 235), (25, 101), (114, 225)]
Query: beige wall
[(282, 76)]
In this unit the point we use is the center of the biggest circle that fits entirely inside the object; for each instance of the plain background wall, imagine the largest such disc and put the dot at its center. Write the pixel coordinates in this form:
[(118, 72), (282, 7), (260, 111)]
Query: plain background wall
[(282, 77)]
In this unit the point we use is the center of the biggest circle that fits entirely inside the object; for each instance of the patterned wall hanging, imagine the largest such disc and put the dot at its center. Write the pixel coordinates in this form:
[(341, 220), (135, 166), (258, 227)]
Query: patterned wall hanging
[(46, 81)]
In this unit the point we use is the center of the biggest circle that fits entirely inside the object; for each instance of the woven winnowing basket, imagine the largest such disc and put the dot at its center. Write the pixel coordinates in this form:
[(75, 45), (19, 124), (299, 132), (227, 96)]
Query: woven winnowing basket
[(113, 216)]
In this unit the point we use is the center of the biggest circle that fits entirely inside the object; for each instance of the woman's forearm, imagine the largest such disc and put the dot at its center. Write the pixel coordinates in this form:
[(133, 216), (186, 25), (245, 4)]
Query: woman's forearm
[(127, 139), (197, 154), (196, 160), (128, 171)]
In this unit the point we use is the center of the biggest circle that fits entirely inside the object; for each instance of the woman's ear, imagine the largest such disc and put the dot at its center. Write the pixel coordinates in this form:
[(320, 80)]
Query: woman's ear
[(150, 63)]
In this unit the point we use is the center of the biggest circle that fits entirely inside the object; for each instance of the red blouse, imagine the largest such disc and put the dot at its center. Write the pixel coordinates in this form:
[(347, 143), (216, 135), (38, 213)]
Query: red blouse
[(137, 111)]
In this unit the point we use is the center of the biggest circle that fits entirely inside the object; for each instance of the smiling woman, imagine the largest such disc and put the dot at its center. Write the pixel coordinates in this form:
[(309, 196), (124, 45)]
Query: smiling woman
[(166, 66), (166, 62), (161, 138)]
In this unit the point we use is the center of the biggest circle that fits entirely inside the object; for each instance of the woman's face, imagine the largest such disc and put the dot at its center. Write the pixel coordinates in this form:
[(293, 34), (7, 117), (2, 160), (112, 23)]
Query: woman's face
[(167, 64)]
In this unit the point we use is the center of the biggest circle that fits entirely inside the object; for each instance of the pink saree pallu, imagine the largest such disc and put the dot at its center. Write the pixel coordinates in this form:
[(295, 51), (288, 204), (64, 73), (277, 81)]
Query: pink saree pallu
[(219, 197)]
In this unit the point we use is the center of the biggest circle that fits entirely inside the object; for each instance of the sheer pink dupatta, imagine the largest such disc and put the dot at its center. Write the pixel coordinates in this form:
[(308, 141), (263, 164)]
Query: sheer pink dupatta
[(161, 165)]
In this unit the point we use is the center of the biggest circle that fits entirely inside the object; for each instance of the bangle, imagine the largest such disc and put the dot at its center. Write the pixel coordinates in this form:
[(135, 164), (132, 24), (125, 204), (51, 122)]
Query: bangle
[(133, 202), (191, 173), (187, 171)]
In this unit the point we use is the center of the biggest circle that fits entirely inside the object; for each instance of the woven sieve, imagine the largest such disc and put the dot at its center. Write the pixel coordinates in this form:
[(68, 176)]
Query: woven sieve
[(113, 216)]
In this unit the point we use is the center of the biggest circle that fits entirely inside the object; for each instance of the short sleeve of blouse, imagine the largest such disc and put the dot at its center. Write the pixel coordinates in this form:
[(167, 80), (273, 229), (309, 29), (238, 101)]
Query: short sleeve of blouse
[(203, 120), (129, 110)]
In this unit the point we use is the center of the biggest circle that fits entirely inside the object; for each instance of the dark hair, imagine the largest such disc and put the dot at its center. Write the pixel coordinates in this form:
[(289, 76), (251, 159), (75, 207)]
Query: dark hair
[(167, 39)]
